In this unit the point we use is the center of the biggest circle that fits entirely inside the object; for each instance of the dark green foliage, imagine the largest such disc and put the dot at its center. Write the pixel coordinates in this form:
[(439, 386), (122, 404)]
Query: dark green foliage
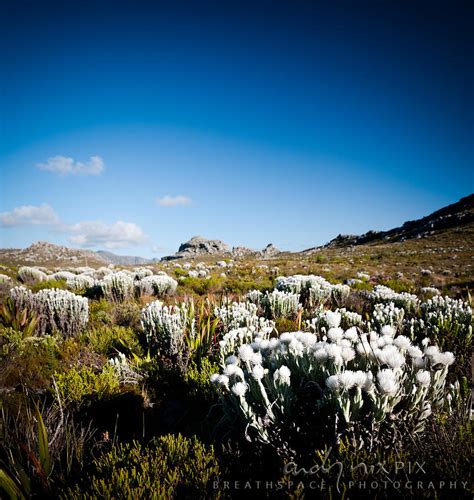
[(169, 467), (127, 314), (110, 339)]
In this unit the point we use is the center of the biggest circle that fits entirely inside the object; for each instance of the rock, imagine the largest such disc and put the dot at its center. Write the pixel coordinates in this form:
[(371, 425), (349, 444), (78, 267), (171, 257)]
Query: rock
[(270, 251), (198, 246)]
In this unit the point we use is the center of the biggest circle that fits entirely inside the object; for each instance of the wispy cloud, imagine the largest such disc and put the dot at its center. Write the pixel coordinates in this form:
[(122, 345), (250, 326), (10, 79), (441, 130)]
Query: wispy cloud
[(29, 215), (64, 165), (97, 234), (173, 201)]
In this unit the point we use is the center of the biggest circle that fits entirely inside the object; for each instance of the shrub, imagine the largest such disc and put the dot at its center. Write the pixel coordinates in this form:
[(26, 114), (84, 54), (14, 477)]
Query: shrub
[(100, 313), (127, 314), (377, 379), (241, 315), (279, 304), (58, 310), (403, 300), (77, 384), (198, 379), (164, 327), (170, 467), (118, 286), (159, 285), (31, 275), (110, 339)]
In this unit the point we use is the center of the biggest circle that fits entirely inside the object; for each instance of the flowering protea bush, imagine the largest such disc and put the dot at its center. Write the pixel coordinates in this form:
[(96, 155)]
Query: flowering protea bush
[(118, 286), (165, 327), (278, 304), (374, 378), (241, 315), (31, 275), (58, 311), (403, 300), (158, 285), (80, 282)]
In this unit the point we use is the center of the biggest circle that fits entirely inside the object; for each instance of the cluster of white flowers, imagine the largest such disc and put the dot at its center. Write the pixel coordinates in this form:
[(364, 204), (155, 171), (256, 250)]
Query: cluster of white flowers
[(405, 300), (314, 290), (80, 282), (362, 375), (63, 275), (31, 275), (323, 320), (235, 315), (165, 326), (142, 272), (5, 279), (125, 373), (363, 276), (118, 286), (158, 285), (444, 313), (59, 311), (429, 290), (387, 314), (279, 304)]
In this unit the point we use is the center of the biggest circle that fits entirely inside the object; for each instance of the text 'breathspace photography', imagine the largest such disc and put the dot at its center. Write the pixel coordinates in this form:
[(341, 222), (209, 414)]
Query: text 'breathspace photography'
[(236, 249)]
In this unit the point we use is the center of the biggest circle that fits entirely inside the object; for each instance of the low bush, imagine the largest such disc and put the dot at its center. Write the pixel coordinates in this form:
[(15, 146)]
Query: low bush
[(169, 467)]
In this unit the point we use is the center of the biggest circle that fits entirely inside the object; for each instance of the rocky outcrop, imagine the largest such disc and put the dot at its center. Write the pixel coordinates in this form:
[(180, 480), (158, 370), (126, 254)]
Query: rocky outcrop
[(270, 251), (198, 246)]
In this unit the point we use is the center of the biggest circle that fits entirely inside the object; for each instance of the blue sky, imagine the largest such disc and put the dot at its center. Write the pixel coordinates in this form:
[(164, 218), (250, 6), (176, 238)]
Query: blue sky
[(252, 122)]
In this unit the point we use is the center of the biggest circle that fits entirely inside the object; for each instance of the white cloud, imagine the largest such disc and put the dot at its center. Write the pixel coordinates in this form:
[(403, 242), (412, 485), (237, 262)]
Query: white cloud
[(173, 201), (68, 166), (95, 233), (29, 215)]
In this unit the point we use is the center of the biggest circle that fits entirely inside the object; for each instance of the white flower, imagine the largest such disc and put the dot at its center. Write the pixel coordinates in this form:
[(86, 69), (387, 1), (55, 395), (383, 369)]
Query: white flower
[(320, 355), (333, 383), (214, 378), (282, 375), (415, 352), (387, 382), (351, 334), (348, 354), (388, 330), (286, 337), (333, 319), (402, 342), (258, 372), (256, 358), (347, 379), (245, 352), (390, 356), (223, 381), (423, 377), (443, 358), (239, 389), (335, 334)]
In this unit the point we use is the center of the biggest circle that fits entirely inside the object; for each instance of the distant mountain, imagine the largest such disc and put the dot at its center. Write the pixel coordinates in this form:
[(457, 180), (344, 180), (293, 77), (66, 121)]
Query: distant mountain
[(123, 260), (455, 215), (43, 253)]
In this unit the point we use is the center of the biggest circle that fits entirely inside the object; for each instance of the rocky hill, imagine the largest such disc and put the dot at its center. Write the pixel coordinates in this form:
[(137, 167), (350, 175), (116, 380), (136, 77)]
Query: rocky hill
[(455, 215), (43, 253), (198, 246)]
